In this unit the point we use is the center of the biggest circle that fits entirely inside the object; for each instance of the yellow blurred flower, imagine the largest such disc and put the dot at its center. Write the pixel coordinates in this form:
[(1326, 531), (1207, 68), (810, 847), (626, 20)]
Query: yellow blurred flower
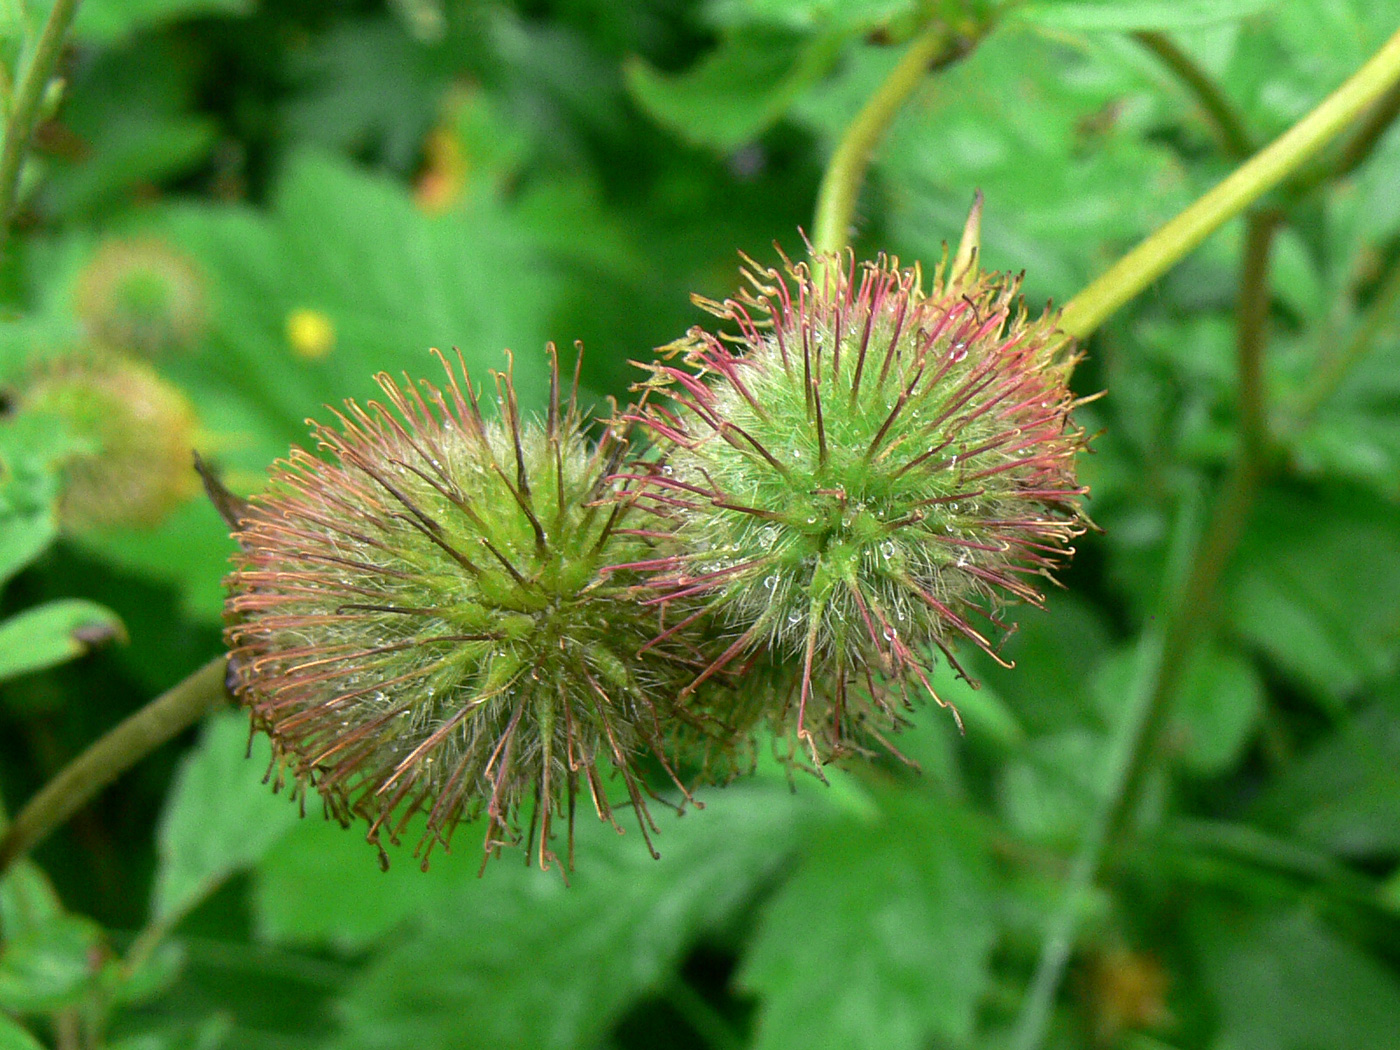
[(310, 333)]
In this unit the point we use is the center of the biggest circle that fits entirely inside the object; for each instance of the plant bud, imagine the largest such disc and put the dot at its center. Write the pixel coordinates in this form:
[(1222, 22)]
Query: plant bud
[(422, 624), (135, 432), (142, 296), (862, 473)]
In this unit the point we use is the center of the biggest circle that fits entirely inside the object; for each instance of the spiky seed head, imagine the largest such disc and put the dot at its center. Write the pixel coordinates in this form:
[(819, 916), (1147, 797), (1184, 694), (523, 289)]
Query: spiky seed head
[(142, 295), (862, 472), (133, 432), (421, 623)]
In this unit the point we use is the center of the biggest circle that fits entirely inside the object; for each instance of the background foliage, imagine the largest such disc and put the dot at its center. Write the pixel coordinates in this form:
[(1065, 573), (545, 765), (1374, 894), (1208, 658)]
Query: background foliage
[(352, 183)]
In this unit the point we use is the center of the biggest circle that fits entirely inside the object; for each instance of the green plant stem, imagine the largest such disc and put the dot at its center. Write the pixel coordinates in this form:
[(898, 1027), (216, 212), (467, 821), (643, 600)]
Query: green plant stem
[(1253, 317), (1334, 369), (840, 187), (1165, 652), (1270, 166), (1353, 154), (29, 95), (1225, 121), (117, 751)]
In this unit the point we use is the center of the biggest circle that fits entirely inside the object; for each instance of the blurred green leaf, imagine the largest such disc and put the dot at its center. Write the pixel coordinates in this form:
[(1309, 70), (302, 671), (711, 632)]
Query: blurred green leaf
[(1219, 702), (551, 966), (1055, 136), (1345, 793), (1049, 790), (106, 20), (14, 1036), (739, 90), (50, 965), (1125, 15), (811, 14), (27, 899), (322, 886), (1313, 588), (23, 537), (1290, 983), (843, 952), (54, 633), (219, 817)]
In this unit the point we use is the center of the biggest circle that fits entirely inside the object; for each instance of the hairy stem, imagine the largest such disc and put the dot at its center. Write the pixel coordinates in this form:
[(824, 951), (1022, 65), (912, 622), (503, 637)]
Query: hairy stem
[(836, 199), (1225, 121), (1270, 166), (1164, 654), (28, 97), (113, 754)]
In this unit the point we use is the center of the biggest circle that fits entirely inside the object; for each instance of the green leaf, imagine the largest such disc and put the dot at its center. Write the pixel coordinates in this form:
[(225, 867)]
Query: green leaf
[(218, 818), (321, 886), (1314, 588), (1218, 706), (811, 14), (521, 959), (49, 966), (739, 90), (54, 633), (14, 1036), (1128, 15), (1290, 983), (1344, 795), (1051, 134), (24, 536), (27, 899), (108, 20), (1049, 791), (881, 939)]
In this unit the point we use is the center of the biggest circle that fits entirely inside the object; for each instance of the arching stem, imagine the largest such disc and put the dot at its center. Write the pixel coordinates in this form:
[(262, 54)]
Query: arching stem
[(1270, 166), (114, 753), (936, 46)]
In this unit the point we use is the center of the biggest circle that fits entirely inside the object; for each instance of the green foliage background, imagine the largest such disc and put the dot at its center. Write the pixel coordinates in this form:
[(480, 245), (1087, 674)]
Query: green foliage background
[(594, 162)]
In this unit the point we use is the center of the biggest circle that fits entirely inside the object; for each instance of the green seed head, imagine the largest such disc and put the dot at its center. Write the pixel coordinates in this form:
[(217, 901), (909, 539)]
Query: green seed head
[(142, 296), (422, 623), (862, 472), (134, 431)]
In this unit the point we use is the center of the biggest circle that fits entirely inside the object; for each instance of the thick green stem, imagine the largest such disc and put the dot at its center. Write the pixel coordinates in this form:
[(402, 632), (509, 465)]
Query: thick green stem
[(1224, 119), (29, 96), (122, 747), (840, 188), (1154, 256)]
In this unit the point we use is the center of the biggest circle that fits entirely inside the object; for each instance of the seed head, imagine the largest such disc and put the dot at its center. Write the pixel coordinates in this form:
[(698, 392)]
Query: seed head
[(863, 472), (135, 431), (143, 296), (421, 624)]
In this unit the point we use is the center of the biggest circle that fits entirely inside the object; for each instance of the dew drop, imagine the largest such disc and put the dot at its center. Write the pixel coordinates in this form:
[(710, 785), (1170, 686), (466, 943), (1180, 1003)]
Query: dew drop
[(811, 519), (770, 582), (953, 507), (767, 536), (958, 352), (667, 470), (794, 617), (887, 548), (890, 633), (797, 453)]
